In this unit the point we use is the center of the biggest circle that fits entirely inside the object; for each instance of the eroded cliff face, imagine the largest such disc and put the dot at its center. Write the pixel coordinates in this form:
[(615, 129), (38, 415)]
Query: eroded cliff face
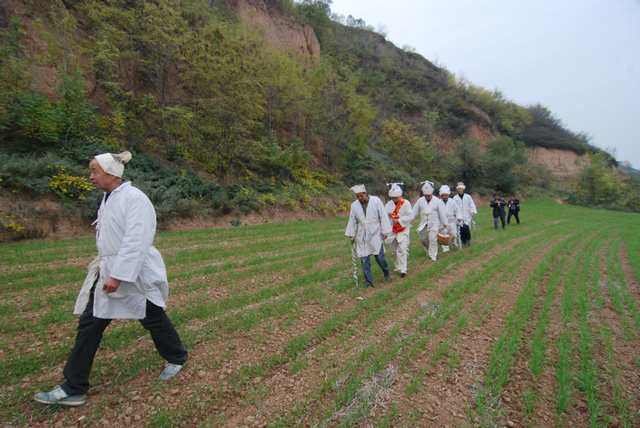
[(560, 163), (280, 31)]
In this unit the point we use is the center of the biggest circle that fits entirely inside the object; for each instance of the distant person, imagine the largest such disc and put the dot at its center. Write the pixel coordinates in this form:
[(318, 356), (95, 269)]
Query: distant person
[(454, 216), (127, 280), (514, 209), (401, 215), (468, 211), (431, 215), (368, 225), (498, 205)]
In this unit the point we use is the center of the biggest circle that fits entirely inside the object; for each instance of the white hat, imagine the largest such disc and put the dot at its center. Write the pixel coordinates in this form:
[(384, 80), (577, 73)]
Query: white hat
[(444, 190), (113, 164), (460, 185), (359, 188), (395, 191), (427, 187)]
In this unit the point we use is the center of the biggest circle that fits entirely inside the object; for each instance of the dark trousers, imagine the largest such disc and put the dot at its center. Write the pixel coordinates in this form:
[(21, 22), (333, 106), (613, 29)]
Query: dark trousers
[(366, 265), (465, 235), (515, 214), (496, 219), (90, 329)]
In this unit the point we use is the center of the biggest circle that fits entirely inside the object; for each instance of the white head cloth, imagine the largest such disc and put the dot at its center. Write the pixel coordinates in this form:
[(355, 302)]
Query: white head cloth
[(427, 187), (395, 191), (359, 188), (445, 190), (460, 185), (113, 164)]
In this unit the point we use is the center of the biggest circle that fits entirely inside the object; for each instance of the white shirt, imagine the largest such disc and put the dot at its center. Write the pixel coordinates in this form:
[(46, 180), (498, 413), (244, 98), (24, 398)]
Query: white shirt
[(453, 210), (431, 214), (367, 230), (467, 207), (125, 230)]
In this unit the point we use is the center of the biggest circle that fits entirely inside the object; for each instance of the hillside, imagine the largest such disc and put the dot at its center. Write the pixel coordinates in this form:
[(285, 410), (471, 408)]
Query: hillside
[(237, 106)]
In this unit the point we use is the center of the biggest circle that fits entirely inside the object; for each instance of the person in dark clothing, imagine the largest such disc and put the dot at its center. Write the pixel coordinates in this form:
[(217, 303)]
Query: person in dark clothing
[(498, 204), (514, 209)]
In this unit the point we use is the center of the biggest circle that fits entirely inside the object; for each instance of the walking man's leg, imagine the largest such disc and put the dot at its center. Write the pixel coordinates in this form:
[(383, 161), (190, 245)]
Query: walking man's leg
[(402, 254), (424, 239), (433, 245), (495, 222), (78, 367), (382, 262), (509, 217), (166, 339), (366, 269)]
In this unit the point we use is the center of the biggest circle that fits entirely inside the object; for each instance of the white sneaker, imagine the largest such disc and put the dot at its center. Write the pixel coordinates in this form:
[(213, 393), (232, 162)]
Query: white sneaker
[(170, 370), (58, 396)]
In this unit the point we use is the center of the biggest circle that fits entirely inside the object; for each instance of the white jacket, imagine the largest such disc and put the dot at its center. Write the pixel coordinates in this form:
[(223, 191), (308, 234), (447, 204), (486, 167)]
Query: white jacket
[(125, 230), (467, 207), (432, 214), (368, 230), (453, 210)]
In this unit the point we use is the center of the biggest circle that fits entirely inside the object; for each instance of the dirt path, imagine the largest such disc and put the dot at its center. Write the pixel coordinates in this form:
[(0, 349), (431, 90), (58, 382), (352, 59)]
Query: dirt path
[(283, 395), (450, 386)]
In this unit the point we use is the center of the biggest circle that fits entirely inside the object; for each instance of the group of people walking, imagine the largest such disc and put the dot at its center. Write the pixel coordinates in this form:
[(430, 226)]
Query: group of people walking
[(128, 278), (442, 221)]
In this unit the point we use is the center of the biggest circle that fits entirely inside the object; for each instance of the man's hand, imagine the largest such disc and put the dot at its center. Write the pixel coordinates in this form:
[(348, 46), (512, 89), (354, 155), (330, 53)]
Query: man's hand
[(111, 285)]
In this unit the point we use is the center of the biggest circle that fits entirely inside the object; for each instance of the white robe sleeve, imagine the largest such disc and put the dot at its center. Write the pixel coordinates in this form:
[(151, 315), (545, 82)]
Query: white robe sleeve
[(351, 225), (385, 223), (457, 209), (416, 210), (472, 206), (406, 214), (140, 221)]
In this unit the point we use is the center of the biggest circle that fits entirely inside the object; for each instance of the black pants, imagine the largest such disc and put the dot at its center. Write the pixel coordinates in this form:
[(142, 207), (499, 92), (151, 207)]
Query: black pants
[(90, 329), (515, 214), (496, 219), (465, 235)]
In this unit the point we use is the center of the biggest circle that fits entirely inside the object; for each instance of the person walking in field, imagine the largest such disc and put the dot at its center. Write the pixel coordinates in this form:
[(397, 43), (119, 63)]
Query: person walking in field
[(127, 280), (367, 227), (498, 205), (431, 213), (514, 209), (454, 216), (401, 215), (468, 210)]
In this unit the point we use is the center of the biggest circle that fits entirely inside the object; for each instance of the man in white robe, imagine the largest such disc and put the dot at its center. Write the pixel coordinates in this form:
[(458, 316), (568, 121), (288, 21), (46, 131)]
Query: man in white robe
[(468, 211), (368, 225), (431, 215), (454, 216), (127, 280), (401, 215)]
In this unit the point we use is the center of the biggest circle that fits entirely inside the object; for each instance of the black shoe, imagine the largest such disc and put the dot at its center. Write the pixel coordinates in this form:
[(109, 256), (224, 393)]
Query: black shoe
[(369, 284), (402, 275)]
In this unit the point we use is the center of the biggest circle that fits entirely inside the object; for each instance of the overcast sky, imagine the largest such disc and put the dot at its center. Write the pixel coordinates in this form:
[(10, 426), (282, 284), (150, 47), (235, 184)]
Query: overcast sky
[(580, 58)]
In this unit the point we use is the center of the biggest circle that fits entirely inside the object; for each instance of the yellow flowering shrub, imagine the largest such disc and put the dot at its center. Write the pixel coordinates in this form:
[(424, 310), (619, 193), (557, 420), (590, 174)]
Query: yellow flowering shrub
[(69, 186)]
